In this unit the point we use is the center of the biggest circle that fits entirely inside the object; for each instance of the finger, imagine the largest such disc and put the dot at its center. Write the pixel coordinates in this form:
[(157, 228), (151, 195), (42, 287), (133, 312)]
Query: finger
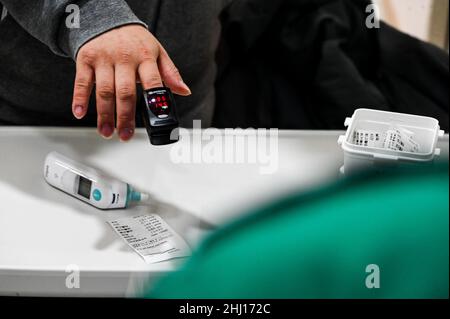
[(149, 75), (105, 97), (170, 74), (84, 82), (125, 101)]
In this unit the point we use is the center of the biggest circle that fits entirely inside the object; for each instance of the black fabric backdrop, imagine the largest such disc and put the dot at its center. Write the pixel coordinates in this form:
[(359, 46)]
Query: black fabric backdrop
[(308, 64)]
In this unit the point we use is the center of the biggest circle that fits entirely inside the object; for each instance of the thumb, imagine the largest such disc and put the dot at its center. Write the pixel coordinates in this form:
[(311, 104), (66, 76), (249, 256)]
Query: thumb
[(170, 74)]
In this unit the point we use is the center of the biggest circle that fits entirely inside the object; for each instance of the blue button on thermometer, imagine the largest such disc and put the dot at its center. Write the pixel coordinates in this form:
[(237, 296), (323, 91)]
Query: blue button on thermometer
[(97, 195), (88, 184)]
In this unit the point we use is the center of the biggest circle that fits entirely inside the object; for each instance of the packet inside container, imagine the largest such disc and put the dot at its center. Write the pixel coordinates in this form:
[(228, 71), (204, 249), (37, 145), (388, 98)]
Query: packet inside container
[(396, 138)]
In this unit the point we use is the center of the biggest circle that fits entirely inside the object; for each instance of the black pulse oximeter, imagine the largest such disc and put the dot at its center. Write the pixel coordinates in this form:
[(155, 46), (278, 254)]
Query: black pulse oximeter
[(160, 116)]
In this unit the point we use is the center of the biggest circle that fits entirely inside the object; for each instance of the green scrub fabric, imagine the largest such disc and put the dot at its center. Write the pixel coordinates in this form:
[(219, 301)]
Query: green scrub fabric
[(320, 244)]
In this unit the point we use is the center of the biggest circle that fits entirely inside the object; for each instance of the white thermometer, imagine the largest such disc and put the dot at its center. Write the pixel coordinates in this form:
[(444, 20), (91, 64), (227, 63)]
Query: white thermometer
[(88, 184)]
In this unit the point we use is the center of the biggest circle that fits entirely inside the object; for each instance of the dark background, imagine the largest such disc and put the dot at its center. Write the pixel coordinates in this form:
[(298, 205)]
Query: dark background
[(308, 64)]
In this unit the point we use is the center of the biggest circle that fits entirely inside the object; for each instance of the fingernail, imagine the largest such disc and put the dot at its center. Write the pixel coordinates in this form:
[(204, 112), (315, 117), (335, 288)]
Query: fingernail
[(106, 131), (185, 87), (126, 133), (78, 110)]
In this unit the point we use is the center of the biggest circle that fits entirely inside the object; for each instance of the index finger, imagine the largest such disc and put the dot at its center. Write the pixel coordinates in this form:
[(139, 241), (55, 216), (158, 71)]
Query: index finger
[(149, 75)]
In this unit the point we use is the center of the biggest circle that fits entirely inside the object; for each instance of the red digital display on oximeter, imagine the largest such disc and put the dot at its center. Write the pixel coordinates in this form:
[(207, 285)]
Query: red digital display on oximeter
[(159, 103)]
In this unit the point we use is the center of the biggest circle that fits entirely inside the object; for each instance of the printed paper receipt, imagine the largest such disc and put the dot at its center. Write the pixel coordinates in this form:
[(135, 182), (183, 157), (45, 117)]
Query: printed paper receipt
[(151, 237)]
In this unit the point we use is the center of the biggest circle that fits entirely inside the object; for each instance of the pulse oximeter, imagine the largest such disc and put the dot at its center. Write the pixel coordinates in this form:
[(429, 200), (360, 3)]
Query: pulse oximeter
[(160, 116)]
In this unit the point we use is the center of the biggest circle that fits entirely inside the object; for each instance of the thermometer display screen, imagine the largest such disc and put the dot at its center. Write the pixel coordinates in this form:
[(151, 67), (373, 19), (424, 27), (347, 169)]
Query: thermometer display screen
[(84, 187)]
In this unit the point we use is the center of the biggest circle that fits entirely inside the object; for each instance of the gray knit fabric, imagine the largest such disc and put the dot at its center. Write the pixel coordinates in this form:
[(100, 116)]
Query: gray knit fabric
[(37, 53)]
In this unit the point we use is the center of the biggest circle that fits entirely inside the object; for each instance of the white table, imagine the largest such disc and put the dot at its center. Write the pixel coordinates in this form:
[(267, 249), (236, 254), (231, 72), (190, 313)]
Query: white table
[(43, 231)]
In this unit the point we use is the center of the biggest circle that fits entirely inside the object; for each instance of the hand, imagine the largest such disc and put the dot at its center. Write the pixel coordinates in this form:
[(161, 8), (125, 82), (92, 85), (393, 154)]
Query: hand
[(115, 61)]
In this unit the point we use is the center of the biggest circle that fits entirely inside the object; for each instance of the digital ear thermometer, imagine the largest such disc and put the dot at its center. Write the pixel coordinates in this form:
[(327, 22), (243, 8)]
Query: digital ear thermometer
[(87, 184)]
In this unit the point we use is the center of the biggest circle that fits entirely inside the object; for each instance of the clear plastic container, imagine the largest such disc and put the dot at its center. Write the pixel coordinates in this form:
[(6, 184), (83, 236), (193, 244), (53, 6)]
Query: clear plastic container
[(421, 138)]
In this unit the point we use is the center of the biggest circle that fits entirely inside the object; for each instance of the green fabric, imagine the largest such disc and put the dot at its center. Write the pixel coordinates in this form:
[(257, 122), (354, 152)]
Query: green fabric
[(318, 245)]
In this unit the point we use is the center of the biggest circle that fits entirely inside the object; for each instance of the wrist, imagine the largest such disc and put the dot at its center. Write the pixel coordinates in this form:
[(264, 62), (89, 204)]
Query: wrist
[(96, 18)]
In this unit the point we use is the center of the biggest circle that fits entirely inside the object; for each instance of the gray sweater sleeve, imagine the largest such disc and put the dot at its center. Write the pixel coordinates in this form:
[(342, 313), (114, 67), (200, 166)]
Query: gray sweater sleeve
[(46, 21)]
